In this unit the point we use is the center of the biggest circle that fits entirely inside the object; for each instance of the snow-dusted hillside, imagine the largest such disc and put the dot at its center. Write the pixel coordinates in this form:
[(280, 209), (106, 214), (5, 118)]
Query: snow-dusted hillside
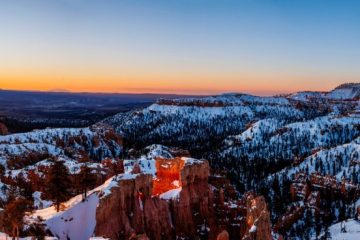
[(345, 91), (77, 220), (307, 96), (32, 153), (97, 141), (273, 138), (201, 121), (341, 161)]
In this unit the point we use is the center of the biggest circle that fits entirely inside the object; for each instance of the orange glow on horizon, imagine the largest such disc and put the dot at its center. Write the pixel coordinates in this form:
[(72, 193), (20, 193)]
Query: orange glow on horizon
[(174, 83)]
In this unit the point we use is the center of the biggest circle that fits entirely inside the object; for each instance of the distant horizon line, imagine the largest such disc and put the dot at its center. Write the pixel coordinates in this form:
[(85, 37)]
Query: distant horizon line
[(160, 93)]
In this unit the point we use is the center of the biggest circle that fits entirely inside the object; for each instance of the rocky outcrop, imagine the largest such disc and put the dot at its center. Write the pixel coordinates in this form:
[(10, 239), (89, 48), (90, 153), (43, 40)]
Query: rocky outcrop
[(193, 212), (120, 214), (257, 218), (131, 208), (244, 218)]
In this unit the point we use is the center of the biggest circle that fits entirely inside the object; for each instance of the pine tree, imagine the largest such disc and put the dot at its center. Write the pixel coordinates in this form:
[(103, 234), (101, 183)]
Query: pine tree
[(86, 180), (58, 183), (25, 188), (13, 215)]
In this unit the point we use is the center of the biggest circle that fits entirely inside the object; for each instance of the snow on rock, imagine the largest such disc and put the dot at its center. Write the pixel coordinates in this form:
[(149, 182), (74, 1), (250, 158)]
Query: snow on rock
[(148, 166), (171, 194), (157, 150), (147, 162), (190, 161), (255, 131), (252, 229)]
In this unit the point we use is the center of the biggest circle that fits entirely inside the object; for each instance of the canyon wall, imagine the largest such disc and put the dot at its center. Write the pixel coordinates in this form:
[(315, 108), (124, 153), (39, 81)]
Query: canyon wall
[(131, 211)]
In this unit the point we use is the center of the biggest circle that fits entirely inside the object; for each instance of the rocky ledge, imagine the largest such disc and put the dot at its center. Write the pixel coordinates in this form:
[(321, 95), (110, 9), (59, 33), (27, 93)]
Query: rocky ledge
[(187, 211)]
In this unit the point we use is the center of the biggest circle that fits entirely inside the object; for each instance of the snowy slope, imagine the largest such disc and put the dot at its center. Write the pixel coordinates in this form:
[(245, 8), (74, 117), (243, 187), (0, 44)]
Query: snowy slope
[(78, 220), (352, 228), (94, 140), (274, 138), (345, 91), (306, 96), (202, 120), (335, 161)]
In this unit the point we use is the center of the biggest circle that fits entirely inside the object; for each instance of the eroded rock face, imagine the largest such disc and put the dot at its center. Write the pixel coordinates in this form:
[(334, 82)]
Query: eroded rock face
[(131, 210), (131, 207), (257, 218), (194, 209), (120, 214)]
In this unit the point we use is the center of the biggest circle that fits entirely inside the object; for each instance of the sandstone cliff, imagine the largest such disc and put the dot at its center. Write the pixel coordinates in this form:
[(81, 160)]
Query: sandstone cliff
[(133, 210), (257, 218)]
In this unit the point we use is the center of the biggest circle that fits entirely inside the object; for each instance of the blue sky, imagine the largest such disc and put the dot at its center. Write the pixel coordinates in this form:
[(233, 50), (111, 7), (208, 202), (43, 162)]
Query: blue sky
[(199, 46)]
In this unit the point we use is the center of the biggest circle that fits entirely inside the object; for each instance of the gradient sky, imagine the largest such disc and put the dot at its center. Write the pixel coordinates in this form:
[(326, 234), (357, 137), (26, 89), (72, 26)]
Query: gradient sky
[(198, 46)]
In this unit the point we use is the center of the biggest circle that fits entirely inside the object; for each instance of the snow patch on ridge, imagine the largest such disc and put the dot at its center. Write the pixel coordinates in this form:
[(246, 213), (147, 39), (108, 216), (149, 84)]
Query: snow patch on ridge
[(76, 223), (78, 220), (171, 194)]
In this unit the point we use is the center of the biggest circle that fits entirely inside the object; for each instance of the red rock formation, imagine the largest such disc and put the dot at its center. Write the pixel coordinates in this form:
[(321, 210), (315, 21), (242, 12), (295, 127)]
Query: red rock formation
[(257, 218), (132, 209), (167, 172), (194, 207), (121, 213)]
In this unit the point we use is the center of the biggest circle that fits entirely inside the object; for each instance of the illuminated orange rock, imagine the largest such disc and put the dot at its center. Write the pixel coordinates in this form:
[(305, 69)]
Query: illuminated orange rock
[(167, 174)]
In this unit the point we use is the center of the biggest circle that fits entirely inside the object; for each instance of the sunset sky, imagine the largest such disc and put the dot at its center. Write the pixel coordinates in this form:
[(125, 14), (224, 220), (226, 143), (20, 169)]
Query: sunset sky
[(192, 47)]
